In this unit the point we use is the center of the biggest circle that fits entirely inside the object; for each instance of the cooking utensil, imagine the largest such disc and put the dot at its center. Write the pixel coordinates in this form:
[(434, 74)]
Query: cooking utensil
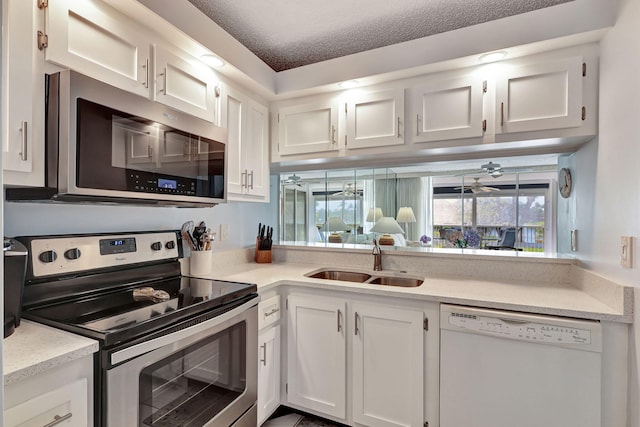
[(187, 234)]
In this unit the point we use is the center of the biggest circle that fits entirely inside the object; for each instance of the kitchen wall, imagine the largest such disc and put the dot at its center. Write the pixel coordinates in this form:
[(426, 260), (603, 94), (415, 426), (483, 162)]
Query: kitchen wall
[(40, 218), (607, 191)]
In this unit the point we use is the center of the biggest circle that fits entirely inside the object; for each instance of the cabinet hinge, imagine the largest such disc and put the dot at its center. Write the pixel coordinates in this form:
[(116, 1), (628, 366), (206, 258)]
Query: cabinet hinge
[(43, 40), (484, 125), (584, 113), (584, 69), (345, 108), (345, 140), (484, 86), (42, 4), (425, 323)]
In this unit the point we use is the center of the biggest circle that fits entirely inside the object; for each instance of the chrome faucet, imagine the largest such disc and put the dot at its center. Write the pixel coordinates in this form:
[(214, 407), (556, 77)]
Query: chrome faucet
[(377, 256)]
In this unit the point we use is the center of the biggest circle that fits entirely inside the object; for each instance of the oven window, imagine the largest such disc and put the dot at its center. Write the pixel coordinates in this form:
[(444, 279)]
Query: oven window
[(190, 387)]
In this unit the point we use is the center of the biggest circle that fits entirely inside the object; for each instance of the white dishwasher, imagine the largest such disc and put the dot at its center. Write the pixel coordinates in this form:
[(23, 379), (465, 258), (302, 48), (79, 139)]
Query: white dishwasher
[(506, 369)]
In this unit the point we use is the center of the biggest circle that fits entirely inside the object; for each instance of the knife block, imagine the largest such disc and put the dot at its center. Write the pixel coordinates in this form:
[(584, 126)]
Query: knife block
[(262, 256)]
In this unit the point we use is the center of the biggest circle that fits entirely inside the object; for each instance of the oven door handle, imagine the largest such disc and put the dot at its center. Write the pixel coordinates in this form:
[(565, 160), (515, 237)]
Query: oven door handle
[(156, 343)]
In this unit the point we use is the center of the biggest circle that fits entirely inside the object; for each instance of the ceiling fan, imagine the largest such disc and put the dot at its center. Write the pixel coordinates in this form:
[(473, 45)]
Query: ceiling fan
[(477, 187), (349, 191), (292, 179)]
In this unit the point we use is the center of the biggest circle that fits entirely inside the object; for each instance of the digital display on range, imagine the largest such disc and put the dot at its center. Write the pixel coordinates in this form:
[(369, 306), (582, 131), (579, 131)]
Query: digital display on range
[(167, 183), (117, 246)]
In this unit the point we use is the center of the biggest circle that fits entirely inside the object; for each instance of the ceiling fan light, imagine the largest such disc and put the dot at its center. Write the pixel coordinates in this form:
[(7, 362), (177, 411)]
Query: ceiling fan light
[(492, 56)]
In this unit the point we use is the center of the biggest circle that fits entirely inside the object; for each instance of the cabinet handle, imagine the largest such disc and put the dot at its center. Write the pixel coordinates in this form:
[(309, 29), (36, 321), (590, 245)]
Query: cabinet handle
[(333, 134), (59, 419), (250, 186), (264, 354), (274, 311), (23, 142), (164, 88), (356, 322), (398, 126), (245, 174), (417, 124), (502, 114), (146, 69), (149, 151), (339, 324)]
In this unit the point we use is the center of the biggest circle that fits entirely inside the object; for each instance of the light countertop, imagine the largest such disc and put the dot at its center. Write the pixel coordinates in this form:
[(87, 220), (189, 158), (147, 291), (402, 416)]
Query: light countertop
[(558, 299), (34, 348)]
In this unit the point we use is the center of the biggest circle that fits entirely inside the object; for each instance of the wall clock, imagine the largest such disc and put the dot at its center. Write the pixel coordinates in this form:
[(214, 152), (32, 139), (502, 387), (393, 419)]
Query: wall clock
[(564, 182)]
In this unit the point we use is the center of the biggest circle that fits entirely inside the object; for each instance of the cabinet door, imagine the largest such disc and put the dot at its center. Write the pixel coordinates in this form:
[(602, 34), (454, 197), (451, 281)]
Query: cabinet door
[(184, 83), (316, 354), (65, 406), (256, 150), (309, 128), (388, 368), (23, 96), (447, 109), (268, 372), (375, 119), (94, 39), (233, 117), (540, 97)]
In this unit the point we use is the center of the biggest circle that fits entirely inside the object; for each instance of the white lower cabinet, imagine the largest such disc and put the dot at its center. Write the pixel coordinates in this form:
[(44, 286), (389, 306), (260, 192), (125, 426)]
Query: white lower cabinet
[(357, 361), (61, 397), (268, 372), (387, 366), (316, 354)]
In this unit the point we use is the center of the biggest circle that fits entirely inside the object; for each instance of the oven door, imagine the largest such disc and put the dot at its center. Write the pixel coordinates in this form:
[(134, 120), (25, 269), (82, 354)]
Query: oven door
[(204, 375)]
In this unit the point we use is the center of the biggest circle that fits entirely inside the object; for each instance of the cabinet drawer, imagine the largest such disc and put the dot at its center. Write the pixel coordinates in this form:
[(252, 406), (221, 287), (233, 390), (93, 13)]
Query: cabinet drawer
[(65, 406), (268, 311)]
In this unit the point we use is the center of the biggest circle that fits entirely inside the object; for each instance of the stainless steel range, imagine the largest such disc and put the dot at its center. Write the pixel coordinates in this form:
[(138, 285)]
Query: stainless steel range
[(174, 350)]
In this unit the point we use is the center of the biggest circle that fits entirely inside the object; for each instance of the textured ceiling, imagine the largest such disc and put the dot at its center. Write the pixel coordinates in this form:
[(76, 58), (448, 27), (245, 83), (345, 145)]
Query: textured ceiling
[(287, 34)]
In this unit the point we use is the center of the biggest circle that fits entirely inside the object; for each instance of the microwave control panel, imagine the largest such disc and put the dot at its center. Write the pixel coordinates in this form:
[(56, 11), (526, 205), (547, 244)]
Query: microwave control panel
[(150, 183)]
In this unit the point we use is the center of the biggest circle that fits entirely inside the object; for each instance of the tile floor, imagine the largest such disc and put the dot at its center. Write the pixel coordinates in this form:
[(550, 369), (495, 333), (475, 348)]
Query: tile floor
[(297, 420)]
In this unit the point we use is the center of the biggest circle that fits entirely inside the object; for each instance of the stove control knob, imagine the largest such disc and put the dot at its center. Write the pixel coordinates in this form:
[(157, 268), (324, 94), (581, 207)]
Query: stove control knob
[(48, 256), (71, 254), (156, 246), (170, 244)]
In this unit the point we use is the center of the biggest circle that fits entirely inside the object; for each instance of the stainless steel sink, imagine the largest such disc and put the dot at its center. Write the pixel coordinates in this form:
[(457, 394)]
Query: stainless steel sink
[(358, 277), (406, 282), (347, 276)]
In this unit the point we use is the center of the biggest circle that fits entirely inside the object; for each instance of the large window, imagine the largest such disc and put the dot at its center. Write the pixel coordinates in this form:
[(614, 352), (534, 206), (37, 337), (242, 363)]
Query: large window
[(489, 214)]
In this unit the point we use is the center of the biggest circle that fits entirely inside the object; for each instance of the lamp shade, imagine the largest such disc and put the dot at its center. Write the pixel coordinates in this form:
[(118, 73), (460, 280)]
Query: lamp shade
[(387, 225), (335, 223), (405, 214), (374, 214)]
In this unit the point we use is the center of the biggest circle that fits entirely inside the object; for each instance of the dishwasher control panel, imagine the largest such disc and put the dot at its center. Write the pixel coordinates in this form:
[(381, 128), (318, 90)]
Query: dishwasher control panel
[(520, 329)]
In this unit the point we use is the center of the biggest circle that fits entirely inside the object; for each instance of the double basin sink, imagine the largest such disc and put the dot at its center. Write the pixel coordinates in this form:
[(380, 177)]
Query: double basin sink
[(373, 279)]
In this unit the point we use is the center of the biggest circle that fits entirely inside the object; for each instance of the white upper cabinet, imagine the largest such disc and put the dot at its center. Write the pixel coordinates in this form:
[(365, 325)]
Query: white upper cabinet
[(375, 119), (186, 84), (540, 96), (97, 40), (308, 128), (444, 109), (247, 123), (23, 96)]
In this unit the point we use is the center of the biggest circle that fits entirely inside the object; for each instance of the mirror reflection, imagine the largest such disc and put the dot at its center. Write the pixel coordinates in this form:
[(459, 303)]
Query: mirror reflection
[(493, 204)]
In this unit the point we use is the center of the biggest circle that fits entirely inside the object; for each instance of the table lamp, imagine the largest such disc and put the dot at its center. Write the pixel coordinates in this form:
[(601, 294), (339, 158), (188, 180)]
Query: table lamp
[(386, 225), (374, 214), (335, 224), (405, 215)]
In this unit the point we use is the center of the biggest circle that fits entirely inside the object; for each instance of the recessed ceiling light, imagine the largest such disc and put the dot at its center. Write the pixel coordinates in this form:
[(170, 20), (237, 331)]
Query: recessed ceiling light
[(350, 84), (493, 56), (212, 60)]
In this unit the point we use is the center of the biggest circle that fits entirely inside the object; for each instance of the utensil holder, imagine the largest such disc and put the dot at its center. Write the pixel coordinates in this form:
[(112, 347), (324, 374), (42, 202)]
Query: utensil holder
[(200, 263), (263, 256)]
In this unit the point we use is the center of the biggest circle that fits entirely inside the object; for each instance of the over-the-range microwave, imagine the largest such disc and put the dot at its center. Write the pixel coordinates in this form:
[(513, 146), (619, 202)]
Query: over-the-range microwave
[(104, 144)]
